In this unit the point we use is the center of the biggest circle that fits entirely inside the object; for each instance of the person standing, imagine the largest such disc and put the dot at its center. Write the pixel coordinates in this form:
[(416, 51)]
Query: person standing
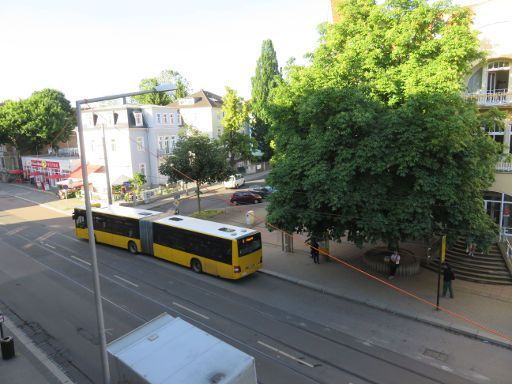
[(394, 264), (315, 253), (448, 276)]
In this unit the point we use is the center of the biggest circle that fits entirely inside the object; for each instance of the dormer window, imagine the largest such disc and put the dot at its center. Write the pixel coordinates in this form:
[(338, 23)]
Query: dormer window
[(138, 119)]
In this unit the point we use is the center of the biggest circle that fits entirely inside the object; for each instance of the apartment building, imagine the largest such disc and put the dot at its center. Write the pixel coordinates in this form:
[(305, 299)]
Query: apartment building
[(135, 138)]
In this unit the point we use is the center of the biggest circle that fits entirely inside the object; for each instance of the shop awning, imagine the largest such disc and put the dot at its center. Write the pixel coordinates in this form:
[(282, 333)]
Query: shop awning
[(54, 177), (15, 171), (35, 174)]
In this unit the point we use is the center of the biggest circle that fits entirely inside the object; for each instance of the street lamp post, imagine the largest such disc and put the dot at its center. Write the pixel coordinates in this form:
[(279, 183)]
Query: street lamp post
[(90, 228)]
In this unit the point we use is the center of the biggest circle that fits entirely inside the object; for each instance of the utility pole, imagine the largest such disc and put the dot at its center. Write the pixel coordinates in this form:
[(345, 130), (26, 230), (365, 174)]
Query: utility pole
[(107, 173)]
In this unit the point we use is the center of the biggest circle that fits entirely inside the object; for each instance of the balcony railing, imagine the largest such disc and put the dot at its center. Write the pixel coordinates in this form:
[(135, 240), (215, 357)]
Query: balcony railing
[(164, 152), (503, 167), (497, 97)]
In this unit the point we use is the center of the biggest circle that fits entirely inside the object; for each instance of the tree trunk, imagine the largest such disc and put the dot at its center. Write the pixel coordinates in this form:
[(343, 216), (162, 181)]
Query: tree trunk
[(198, 197)]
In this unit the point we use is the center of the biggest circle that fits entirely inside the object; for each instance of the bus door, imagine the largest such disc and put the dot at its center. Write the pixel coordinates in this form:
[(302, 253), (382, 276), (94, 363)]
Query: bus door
[(102, 229)]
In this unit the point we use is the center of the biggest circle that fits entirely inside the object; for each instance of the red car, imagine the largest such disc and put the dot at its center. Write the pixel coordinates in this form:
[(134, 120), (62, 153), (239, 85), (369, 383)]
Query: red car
[(245, 198)]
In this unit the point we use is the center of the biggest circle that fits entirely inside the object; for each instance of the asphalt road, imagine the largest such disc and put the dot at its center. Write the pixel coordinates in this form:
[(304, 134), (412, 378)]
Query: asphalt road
[(295, 334)]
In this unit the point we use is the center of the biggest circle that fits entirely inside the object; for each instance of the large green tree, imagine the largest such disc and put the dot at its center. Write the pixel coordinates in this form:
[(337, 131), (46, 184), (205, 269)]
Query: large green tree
[(373, 139), (45, 118), (236, 142), (162, 98), (196, 158), (265, 79)]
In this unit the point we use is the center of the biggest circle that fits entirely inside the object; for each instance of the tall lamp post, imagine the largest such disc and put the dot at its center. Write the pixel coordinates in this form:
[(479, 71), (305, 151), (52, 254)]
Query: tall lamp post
[(90, 229)]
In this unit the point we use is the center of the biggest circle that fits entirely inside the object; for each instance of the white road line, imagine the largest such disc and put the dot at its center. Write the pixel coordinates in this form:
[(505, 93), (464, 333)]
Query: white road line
[(126, 281), (38, 353), (46, 236), (190, 310), (82, 261), (286, 354), (45, 206), (49, 246)]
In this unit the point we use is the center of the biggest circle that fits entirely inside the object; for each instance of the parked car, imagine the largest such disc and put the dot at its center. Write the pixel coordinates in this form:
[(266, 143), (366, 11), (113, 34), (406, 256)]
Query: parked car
[(245, 197), (234, 181), (262, 190)]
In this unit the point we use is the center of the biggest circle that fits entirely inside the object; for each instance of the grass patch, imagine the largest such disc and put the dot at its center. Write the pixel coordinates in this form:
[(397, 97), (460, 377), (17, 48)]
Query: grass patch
[(207, 214)]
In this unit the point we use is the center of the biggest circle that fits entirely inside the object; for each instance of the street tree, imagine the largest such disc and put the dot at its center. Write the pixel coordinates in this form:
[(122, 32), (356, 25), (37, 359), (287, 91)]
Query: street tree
[(237, 143), (266, 78), (162, 98), (45, 118), (138, 180), (196, 158), (373, 139)]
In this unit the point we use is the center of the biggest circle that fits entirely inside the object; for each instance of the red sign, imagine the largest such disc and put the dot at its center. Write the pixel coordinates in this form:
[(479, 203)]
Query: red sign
[(45, 164)]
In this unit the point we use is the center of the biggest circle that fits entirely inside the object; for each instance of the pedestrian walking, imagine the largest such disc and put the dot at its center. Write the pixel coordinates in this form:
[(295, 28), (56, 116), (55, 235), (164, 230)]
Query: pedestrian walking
[(470, 247), (448, 277), (314, 251), (394, 262)]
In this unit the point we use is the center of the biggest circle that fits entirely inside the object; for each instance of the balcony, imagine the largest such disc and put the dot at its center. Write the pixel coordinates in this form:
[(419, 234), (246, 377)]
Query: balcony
[(504, 167), (164, 152), (491, 99)]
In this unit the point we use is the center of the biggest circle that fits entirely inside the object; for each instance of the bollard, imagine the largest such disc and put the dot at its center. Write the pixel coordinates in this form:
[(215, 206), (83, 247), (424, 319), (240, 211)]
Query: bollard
[(7, 346)]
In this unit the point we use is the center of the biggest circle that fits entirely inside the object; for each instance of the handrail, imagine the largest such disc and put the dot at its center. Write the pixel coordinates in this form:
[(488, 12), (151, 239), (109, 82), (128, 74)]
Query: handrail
[(506, 250)]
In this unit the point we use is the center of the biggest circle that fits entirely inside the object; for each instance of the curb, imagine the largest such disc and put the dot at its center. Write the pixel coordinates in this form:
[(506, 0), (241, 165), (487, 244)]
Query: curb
[(450, 328)]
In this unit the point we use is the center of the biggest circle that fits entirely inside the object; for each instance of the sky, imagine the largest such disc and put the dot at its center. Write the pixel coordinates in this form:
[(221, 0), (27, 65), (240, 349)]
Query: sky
[(96, 48)]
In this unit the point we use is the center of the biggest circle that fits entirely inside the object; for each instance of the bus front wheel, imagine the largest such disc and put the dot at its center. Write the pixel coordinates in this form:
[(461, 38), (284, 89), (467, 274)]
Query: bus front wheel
[(196, 266), (132, 247)]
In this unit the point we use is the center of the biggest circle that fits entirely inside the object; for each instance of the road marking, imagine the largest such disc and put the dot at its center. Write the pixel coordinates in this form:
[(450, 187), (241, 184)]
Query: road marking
[(45, 206), (79, 259), (191, 310), (126, 281), (286, 354), (16, 230), (46, 236), (49, 246)]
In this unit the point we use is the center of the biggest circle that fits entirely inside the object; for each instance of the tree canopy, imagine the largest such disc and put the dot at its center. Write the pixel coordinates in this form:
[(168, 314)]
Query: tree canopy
[(373, 139), (162, 98), (266, 78), (196, 158), (45, 118), (238, 145)]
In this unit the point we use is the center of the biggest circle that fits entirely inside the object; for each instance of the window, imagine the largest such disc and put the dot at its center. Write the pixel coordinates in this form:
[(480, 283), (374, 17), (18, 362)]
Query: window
[(158, 119), (163, 143), (79, 217), (164, 118), (180, 122), (138, 119), (142, 168), (2, 162), (113, 145), (172, 117), (140, 143), (100, 222), (249, 244), (173, 141), (124, 226)]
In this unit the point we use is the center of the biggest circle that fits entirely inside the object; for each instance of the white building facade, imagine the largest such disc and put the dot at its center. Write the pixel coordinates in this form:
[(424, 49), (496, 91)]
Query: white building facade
[(203, 111), (137, 138)]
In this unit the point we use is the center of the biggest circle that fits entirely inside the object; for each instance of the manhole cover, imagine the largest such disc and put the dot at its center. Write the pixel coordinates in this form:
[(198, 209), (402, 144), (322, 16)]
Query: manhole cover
[(436, 355)]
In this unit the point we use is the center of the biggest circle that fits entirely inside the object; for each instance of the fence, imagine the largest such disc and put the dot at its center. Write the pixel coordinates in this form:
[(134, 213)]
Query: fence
[(506, 250)]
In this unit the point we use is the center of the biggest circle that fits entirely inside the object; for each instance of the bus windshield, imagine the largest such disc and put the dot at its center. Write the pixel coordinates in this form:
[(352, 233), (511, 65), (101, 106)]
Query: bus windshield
[(249, 244)]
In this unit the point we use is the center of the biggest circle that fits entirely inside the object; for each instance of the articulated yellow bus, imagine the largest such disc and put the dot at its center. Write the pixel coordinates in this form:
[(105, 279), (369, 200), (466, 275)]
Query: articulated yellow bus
[(205, 246)]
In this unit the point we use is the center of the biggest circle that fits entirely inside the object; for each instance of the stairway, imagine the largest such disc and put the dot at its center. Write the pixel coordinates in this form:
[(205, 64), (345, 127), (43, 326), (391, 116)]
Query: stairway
[(485, 269)]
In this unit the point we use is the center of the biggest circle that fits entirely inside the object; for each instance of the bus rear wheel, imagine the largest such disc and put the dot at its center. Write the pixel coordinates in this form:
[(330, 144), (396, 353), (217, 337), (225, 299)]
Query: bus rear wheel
[(196, 266), (132, 247)]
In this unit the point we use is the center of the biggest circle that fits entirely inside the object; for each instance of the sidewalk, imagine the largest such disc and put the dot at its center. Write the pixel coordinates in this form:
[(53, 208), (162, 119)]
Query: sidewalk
[(488, 305), (29, 365)]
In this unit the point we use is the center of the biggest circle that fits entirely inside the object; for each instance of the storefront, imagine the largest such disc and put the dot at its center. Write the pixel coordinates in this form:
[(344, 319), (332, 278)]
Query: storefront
[(498, 206), (45, 172)]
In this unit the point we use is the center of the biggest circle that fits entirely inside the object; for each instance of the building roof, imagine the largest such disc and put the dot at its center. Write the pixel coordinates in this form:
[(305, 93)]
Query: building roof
[(199, 99), (92, 168)]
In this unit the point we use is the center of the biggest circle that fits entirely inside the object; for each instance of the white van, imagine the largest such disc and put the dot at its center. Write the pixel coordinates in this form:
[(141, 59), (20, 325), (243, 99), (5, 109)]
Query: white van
[(234, 181)]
